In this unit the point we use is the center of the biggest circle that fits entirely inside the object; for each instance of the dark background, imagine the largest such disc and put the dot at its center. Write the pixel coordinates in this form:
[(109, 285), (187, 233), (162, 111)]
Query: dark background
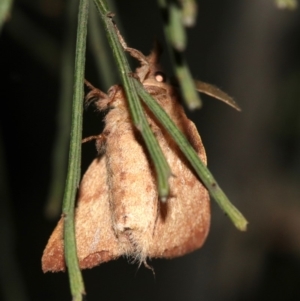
[(248, 48)]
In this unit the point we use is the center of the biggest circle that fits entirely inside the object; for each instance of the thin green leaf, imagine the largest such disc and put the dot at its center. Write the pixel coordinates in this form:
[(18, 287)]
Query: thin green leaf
[(75, 277)]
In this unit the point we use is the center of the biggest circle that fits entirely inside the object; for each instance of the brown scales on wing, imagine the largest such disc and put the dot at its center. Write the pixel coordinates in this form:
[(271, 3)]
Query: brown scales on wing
[(118, 211)]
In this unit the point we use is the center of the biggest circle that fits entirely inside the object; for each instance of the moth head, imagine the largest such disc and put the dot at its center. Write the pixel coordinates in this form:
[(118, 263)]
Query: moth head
[(151, 74), (155, 71)]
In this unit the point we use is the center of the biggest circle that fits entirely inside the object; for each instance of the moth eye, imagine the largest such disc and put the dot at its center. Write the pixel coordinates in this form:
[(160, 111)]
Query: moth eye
[(160, 77)]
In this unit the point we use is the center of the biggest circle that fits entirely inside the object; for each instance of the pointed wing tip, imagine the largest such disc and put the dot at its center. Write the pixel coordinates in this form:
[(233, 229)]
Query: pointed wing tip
[(234, 105), (217, 93)]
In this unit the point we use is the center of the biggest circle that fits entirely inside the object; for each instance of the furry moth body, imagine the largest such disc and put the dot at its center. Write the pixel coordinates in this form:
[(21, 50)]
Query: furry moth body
[(118, 209)]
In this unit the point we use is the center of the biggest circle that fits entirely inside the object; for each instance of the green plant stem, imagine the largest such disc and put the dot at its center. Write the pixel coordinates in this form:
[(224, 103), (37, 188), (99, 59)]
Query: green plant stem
[(75, 277), (162, 168), (204, 174)]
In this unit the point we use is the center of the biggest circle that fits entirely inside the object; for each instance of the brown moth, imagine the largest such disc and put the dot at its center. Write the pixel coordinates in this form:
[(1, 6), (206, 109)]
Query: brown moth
[(118, 210)]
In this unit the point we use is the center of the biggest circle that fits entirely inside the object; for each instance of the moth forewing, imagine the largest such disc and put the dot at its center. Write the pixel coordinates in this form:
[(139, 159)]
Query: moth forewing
[(95, 238), (217, 93), (183, 222)]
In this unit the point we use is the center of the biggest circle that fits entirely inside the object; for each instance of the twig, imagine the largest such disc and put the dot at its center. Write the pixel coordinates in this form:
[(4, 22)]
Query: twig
[(75, 277)]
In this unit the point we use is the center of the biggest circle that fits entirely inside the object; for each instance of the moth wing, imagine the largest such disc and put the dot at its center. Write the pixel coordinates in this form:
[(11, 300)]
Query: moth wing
[(95, 239), (217, 93), (183, 221)]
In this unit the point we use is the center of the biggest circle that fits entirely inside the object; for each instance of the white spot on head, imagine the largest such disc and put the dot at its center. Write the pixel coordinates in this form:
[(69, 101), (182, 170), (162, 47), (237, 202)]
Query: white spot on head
[(160, 77)]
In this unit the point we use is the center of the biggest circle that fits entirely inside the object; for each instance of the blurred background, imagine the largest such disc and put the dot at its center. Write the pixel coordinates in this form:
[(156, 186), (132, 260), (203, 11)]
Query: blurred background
[(250, 49)]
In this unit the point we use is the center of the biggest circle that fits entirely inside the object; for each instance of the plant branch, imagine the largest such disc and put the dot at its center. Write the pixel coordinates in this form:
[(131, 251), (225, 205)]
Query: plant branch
[(76, 281)]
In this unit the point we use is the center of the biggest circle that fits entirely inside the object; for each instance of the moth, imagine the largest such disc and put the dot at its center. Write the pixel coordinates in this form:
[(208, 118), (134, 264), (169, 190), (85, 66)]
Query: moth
[(118, 209)]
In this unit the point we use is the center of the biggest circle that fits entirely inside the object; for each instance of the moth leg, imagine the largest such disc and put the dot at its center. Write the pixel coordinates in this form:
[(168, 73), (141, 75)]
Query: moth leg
[(133, 52), (137, 55), (144, 70), (88, 139), (113, 91), (100, 141), (145, 66), (102, 100), (94, 94)]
